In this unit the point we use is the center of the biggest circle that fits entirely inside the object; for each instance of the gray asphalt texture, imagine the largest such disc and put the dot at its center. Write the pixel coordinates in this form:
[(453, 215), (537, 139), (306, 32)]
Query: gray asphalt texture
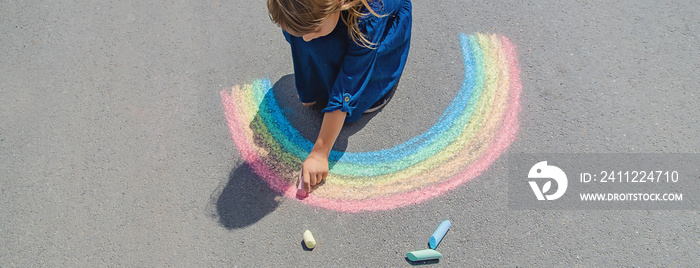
[(114, 149)]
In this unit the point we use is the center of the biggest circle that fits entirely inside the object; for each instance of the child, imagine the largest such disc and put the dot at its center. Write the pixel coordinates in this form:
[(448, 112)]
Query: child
[(350, 53)]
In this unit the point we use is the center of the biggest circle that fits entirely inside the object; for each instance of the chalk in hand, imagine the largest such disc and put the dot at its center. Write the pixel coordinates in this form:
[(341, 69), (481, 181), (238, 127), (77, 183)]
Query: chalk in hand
[(439, 234), (423, 255), (309, 240), (301, 192)]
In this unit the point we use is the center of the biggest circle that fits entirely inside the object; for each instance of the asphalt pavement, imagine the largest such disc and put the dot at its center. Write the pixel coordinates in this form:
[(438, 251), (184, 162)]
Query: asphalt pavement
[(115, 150)]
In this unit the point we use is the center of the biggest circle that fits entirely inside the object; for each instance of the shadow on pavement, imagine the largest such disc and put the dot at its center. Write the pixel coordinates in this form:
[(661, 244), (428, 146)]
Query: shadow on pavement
[(307, 120), (416, 263), (303, 246), (245, 199)]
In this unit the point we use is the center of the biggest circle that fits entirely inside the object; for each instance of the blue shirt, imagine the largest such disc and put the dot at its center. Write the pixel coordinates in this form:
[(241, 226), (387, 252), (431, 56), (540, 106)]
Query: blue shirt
[(350, 76)]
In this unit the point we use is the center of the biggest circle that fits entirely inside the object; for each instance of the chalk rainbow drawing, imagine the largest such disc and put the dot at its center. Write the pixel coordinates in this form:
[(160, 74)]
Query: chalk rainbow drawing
[(474, 130)]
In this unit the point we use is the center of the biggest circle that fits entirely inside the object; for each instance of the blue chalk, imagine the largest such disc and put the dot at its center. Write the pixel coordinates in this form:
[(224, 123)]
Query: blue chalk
[(439, 234)]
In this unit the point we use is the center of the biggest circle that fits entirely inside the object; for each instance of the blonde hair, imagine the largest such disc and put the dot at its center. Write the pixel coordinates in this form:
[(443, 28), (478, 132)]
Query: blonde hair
[(300, 17)]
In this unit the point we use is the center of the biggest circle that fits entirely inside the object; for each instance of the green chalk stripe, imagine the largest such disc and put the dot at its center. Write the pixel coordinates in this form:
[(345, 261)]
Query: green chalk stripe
[(423, 255)]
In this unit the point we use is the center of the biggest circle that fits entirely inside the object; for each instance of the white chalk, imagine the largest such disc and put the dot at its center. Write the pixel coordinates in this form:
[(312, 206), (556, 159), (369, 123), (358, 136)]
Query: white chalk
[(309, 240)]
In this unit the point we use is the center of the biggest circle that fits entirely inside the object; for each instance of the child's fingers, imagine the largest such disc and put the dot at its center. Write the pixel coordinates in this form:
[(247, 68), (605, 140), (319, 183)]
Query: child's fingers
[(314, 178), (325, 174), (307, 181)]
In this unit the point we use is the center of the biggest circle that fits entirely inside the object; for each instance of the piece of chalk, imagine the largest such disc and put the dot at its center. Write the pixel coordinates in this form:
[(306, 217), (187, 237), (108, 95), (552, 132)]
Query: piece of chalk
[(301, 192), (423, 255), (309, 240), (439, 234)]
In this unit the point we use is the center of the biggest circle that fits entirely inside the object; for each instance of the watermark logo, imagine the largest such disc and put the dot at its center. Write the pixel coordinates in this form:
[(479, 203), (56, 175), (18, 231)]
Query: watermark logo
[(606, 181), (542, 171)]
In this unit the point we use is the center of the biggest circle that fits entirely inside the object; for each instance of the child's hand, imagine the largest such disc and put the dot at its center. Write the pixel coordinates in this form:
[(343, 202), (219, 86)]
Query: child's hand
[(314, 169)]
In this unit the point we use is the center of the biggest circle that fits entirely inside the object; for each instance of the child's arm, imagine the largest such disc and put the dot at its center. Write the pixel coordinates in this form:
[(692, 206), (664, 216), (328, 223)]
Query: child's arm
[(315, 167)]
